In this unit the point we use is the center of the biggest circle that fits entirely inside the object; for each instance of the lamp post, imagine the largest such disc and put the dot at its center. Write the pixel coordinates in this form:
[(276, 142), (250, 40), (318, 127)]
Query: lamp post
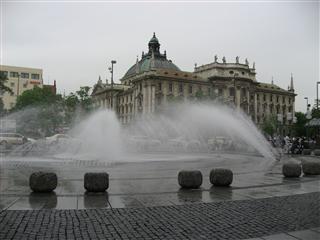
[(306, 98), (111, 71), (318, 95)]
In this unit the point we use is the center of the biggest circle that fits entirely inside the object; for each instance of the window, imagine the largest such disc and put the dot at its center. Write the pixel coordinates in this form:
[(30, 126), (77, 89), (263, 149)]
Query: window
[(271, 97), (190, 89), (180, 88), (5, 73), (277, 99), (12, 84), (24, 75), (231, 72), (220, 91), (283, 99), (264, 97), (140, 86), (289, 100), (209, 91), (231, 91), (35, 76), (170, 87), (14, 74), (159, 86)]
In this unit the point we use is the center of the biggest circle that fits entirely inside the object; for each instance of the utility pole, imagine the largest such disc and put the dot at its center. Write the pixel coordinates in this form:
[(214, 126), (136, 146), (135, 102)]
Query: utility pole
[(111, 71)]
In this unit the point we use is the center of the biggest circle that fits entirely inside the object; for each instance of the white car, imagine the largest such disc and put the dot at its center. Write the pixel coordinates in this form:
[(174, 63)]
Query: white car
[(12, 139), (57, 138)]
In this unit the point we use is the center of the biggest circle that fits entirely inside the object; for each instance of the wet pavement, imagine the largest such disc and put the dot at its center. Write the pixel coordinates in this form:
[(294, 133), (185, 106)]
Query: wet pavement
[(146, 184)]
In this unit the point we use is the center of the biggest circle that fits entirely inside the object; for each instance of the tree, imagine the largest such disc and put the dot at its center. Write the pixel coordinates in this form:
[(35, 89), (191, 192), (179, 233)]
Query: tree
[(77, 105), (3, 80), (3, 89), (269, 125), (84, 98), (39, 110), (36, 97), (299, 125)]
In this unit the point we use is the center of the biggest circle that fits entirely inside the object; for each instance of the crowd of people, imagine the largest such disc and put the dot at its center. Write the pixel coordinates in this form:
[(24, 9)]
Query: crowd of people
[(292, 145)]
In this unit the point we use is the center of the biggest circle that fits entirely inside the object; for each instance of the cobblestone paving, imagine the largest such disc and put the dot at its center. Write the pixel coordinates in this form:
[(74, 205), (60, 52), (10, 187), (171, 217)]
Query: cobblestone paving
[(221, 220)]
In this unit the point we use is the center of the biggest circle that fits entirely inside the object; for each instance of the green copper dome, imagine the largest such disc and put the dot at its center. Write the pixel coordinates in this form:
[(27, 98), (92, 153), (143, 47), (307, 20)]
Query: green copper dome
[(152, 60)]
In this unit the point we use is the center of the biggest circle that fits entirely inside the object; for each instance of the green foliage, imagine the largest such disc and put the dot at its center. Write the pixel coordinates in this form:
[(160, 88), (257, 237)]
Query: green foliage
[(37, 97), (315, 113), (41, 111), (44, 112), (269, 126), (3, 80), (84, 98), (299, 126)]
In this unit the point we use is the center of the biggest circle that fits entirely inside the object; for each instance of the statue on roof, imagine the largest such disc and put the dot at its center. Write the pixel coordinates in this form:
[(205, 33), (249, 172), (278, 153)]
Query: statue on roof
[(215, 58), (237, 59), (247, 62), (99, 80), (254, 65), (224, 59)]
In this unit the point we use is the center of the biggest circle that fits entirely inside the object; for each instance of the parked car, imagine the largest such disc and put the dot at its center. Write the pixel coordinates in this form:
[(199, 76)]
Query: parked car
[(7, 139), (57, 138)]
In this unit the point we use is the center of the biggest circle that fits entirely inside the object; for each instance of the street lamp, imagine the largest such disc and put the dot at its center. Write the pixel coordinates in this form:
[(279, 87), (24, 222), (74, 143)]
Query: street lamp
[(318, 95), (111, 71), (307, 102)]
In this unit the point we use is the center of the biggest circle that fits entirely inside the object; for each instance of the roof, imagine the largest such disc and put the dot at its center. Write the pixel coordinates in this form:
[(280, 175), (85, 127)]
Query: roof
[(271, 87), (152, 60)]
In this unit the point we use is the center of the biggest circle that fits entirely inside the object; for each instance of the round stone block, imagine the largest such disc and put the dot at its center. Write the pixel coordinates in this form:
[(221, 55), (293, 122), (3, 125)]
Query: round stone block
[(311, 167), (43, 181), (221, 177), (316, 152), (96, 181), (291, 169), (190, 179), (306, 151)]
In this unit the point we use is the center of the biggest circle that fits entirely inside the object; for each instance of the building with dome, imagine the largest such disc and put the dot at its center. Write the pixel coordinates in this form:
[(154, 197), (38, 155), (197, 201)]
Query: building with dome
[(154, 81)]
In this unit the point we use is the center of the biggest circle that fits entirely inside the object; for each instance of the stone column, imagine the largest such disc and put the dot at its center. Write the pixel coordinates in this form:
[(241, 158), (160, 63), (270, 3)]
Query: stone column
[(165, 92), (153, 97), (237, 93), (255, 108), (145, 99), (248, 101)]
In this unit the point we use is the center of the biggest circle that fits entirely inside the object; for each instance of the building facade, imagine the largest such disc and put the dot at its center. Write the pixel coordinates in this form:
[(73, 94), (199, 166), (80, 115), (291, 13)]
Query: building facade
[(154, 81), (19, 80)]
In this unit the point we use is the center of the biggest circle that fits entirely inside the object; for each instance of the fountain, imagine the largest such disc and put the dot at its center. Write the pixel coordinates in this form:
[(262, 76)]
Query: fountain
[(180, 130)]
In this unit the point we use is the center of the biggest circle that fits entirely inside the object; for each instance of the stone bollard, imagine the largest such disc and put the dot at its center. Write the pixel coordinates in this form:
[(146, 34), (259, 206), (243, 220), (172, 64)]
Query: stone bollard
[(316, 152), (311, 167), (221, 177), (306, 151), (43, 181), (291, 169), (190, 179), (96, 182)]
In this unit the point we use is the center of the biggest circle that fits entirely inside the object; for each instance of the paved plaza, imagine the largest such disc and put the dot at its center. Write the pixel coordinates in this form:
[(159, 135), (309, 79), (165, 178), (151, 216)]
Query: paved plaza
[(144, 200)]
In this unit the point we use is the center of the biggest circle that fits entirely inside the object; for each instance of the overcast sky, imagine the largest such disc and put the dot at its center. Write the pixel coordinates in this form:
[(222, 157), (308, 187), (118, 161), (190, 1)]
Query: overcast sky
[(75, 42)]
